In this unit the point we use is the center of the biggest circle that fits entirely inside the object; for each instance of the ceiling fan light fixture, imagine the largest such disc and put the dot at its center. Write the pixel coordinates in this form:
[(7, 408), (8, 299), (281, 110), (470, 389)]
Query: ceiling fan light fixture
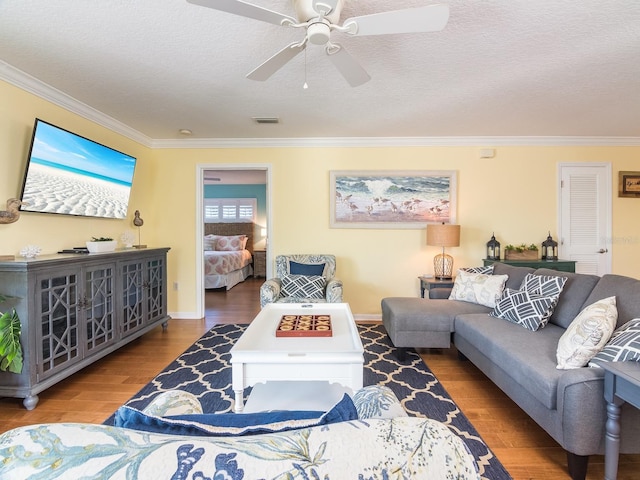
[(318, 33)]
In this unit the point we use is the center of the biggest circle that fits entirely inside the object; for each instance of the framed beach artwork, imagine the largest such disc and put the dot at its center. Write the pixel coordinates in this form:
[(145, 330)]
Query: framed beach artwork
[(629, 184), (392, 199)]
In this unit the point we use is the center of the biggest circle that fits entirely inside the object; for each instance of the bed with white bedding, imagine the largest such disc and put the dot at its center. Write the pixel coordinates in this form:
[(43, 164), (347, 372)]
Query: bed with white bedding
[(227, 254)]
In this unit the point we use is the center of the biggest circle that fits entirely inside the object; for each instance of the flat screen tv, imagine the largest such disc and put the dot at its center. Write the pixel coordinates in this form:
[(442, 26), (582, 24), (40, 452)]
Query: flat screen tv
[(72, 175)]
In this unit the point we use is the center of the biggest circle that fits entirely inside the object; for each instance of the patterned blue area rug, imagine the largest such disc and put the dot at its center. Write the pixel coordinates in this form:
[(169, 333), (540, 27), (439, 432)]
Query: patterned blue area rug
[(204, 370)]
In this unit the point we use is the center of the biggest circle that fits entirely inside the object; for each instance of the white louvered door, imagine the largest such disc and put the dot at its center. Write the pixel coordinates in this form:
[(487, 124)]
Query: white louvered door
[(585, 216)]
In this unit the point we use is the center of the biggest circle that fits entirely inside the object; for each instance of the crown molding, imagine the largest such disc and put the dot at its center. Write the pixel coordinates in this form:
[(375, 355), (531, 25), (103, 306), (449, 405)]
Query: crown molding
[(396, 142), (32, 85)]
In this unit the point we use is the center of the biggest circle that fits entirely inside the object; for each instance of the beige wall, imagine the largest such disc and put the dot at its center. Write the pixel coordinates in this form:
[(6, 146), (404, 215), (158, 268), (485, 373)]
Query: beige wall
[(513, 194)]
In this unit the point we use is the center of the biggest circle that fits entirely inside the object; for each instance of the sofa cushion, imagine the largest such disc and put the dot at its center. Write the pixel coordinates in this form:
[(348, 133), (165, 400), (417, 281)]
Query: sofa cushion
[(530, 310), (528, 357), (574, 294), (624, 345), (587, 334), (626, 291), (233, 424), (303, 286), (516, 274), (417, 314), (478, 288)]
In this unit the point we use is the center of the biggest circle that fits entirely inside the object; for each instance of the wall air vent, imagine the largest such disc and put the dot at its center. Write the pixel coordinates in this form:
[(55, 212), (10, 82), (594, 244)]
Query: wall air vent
[(266, 120)]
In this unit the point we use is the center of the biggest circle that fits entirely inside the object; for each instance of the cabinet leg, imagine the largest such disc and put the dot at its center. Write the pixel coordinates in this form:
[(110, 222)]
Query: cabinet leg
[(30, 402), (165, 325)]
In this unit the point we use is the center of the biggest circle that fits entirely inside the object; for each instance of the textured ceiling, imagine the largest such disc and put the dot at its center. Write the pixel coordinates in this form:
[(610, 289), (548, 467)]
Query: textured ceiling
[(500, 68)]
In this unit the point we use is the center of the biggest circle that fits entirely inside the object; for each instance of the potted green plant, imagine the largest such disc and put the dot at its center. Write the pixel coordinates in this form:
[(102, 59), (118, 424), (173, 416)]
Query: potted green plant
[(101, 244), (521, 252), (10, 348)]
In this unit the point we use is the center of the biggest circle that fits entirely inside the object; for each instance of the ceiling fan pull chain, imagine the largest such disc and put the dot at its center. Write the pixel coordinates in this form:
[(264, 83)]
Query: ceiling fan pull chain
[(305, 86)]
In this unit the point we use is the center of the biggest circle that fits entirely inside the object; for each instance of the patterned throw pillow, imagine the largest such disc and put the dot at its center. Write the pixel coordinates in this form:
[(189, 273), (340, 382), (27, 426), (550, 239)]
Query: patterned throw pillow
[(488, 270), (303, 286), (530, 310), (478, 288), (548, 285), (624, 345), (587, 334), (231, 243), (210, 242)]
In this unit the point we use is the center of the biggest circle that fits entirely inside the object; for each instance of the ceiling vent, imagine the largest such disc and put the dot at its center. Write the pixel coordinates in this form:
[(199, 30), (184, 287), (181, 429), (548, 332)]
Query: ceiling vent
[(266, 120)]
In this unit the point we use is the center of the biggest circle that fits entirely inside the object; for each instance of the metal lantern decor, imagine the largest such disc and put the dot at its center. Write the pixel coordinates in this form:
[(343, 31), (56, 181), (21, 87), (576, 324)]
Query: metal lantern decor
[(493, 248), (549, 249)]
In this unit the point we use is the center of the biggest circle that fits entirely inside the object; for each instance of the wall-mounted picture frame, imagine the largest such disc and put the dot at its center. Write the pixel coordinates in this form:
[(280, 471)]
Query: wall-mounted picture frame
[(629, 184), (392, 199)]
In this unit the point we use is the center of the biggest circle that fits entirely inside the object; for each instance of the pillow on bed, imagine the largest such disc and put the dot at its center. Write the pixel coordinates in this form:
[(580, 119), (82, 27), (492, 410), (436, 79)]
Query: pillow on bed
[(210, 242), (231, 243)]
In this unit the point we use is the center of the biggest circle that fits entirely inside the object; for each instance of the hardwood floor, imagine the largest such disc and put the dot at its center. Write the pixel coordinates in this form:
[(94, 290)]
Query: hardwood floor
[(94, 393)]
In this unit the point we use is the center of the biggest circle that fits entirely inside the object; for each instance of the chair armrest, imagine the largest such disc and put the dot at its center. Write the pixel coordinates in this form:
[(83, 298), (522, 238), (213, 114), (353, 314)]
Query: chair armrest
[(334, 291), (270, 291)]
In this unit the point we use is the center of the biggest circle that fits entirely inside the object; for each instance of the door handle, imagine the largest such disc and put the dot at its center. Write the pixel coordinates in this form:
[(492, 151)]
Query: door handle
[(603, 250)]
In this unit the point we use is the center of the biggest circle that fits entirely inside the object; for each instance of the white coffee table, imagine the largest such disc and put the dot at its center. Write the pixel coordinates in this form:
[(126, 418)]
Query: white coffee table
[(259, 356)]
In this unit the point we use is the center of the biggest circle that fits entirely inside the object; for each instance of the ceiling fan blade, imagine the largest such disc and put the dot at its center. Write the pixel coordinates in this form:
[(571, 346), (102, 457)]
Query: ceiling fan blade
[(430, 18), (275, 63), (244, 9), (347, 65)]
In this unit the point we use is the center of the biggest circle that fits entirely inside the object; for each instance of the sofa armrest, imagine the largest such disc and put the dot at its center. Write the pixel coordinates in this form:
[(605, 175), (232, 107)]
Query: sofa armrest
[(270, 291), (333, 293), (440, 292), (581, 397)]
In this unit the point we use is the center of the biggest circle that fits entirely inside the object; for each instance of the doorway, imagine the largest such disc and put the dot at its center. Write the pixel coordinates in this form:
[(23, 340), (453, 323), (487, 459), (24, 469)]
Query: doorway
[(232, 173), (585, 216)]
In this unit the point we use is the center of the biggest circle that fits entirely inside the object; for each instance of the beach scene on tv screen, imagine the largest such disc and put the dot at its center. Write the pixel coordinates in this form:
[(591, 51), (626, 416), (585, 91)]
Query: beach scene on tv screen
[(69, 174)]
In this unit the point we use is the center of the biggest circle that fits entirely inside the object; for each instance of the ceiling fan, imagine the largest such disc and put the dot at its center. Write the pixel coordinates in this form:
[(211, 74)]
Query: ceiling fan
[(320, 17)]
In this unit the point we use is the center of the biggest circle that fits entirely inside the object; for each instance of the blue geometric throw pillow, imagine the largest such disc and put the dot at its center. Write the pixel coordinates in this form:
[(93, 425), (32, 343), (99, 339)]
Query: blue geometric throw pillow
[(303, 286), (624, 345), (529, 310), (547, 285)]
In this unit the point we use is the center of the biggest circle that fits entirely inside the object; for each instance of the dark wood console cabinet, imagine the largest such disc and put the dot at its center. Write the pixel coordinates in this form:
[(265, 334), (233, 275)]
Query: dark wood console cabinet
[(560, 265), (74, 309)]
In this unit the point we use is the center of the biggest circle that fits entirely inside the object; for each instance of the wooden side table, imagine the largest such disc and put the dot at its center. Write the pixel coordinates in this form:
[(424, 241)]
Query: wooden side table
[(621, 384), (259, 263), (427, 283)]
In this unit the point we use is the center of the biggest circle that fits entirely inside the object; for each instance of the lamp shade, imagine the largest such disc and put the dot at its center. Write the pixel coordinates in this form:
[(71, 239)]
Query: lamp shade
[(443, 235)]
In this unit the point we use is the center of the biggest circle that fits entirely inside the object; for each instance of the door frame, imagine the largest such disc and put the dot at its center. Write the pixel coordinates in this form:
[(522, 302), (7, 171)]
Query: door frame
[(199, 256), (608, 206)]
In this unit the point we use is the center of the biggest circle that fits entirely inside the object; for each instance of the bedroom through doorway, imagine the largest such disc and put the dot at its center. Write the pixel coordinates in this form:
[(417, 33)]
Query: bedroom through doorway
[(232, 232)]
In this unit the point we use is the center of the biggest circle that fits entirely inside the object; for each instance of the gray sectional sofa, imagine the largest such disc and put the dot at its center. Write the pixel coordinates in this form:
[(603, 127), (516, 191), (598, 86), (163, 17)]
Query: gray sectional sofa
[(567, 404)]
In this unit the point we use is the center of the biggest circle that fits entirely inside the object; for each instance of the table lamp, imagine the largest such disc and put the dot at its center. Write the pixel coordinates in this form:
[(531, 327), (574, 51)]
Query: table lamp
[(443, 235)]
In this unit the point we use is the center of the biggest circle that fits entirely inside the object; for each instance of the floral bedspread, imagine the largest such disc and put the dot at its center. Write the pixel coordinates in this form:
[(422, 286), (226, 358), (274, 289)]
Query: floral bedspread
[(222, 262), (397, 448)]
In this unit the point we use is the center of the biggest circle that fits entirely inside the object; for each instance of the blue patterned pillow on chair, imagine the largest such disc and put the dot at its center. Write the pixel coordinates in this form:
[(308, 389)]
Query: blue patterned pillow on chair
[(303, 286), (296, 268)]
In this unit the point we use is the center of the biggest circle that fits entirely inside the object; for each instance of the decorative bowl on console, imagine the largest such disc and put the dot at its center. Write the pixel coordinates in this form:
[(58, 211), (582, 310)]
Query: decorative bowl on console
[(100, 245)]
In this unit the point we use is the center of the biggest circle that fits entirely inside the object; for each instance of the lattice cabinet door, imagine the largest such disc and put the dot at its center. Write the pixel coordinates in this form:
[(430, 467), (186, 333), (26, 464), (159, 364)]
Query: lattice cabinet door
[(98, 302), (156, 288), (57, 323), (134, 286)]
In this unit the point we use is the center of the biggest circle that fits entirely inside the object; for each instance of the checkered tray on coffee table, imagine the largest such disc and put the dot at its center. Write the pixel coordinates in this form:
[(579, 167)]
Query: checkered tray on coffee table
[(304, 326)]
